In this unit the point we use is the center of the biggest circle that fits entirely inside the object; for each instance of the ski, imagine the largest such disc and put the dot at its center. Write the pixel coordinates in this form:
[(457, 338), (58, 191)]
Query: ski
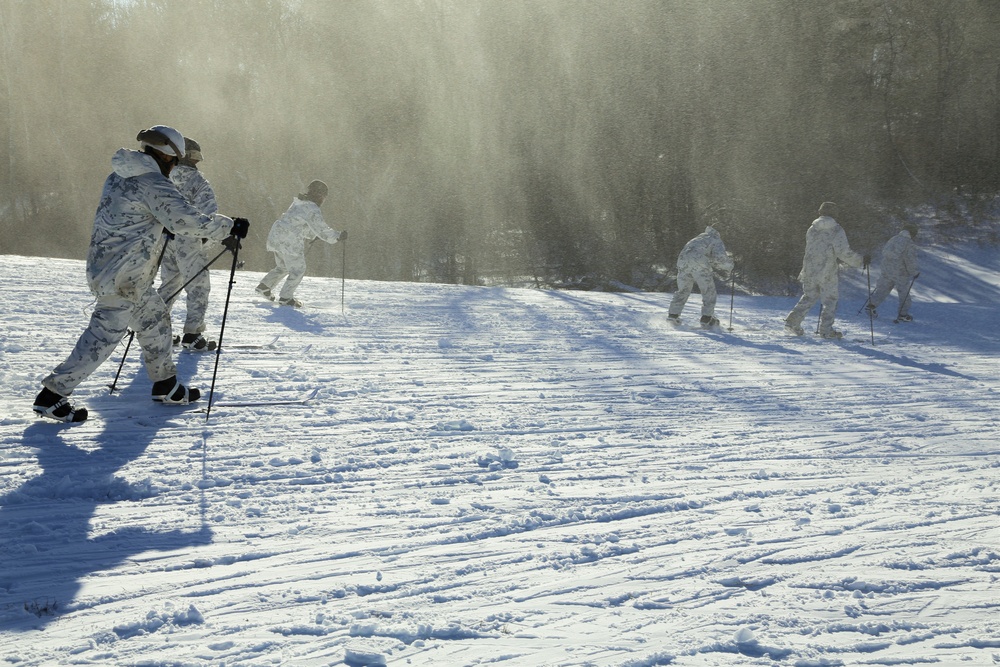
[(240, 346), (209, 347), (253, 346), (697, 327), (304, 400), (273, 351)]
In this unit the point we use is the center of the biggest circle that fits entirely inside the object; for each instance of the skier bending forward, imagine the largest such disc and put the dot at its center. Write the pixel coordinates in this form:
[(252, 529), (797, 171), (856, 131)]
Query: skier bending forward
[(899, 270), (701, 256)]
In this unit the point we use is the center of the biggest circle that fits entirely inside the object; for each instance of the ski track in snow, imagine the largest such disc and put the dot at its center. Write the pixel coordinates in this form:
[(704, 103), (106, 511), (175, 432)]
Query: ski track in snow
[(507, 476)]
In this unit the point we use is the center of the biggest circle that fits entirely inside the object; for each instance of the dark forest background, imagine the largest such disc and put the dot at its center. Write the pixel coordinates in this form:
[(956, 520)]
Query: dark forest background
[(552, 142)]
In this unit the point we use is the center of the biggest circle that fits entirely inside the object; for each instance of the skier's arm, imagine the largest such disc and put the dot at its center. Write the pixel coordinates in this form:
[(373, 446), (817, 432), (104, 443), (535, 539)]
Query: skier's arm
[(721, 259), (174, 212), (843, 252), (203, 196), (320, 229)]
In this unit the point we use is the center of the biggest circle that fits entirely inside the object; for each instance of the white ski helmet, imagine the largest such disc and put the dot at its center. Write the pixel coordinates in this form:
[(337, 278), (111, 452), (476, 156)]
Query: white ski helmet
[(165, 139)]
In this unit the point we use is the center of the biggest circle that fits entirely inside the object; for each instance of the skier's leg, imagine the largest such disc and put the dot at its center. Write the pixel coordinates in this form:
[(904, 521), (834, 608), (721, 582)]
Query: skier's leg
[(171, 277), (706, 284), (296, 267), (829, 295), (151, 324), (685, 283), (108, 325), (275, 275), (191, 260), (882, 290), (197, 303), (810, 295)]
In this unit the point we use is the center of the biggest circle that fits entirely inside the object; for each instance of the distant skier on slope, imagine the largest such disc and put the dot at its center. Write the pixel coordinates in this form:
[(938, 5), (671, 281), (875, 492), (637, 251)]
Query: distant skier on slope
[(139, 206), (899, 269), (699, 258), (186, 256), (826, 248), (302, 222)]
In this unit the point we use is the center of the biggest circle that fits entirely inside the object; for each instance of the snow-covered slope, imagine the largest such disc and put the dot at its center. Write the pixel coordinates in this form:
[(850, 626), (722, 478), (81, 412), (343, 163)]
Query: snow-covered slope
[(511, 476)]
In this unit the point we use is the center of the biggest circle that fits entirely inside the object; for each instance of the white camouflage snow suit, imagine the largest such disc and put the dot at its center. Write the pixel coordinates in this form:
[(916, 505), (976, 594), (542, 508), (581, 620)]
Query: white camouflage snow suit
[(826, 247), (899, 266), (701, 256), (186, 256), (287, 239), (138, 204)]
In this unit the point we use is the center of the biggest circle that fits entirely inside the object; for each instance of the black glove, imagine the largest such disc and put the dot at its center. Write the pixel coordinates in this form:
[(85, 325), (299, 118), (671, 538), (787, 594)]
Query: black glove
[(231, 243), (240, 227), (343, 236), (866, 261)]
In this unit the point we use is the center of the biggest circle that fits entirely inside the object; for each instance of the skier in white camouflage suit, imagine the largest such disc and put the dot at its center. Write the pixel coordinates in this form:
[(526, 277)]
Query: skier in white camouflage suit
[(302, 222), (138, 206), (699, 258), (186, 256), (826, 248), (899, 269)]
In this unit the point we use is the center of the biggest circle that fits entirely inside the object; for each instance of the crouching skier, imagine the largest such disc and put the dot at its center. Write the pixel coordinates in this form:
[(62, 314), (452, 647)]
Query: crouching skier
[(899, 270), (699, 258), (139, 206)]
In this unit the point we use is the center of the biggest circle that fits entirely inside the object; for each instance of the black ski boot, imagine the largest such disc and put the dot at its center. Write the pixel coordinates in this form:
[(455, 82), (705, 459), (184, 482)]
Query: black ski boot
[(708, 321), (197, 343), (172, 392), (264, 291), (50, 404)]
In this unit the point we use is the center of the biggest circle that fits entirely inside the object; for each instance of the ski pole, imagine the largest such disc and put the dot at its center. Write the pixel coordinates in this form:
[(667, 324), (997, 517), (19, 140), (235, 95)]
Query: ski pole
[(131, 333), (732, 296), (343, 274), (869, 272), (222, 327), (114, 383), (905, 296), (871, 318), (196, 274)]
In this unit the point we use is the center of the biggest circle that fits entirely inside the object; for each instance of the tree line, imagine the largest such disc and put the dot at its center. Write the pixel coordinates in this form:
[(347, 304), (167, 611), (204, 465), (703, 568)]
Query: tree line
[(549, 142)]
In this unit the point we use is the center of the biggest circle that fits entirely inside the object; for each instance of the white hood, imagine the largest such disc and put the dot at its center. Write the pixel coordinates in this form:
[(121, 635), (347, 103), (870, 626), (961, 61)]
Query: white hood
[(825, 223), (128, 163)]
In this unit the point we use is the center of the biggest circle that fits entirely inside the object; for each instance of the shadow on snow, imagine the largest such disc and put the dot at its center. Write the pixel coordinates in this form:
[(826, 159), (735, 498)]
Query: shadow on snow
[(47, 550)]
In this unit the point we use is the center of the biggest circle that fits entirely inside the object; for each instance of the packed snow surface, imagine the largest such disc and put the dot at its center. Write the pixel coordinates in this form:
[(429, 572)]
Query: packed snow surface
[(510, 476)]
